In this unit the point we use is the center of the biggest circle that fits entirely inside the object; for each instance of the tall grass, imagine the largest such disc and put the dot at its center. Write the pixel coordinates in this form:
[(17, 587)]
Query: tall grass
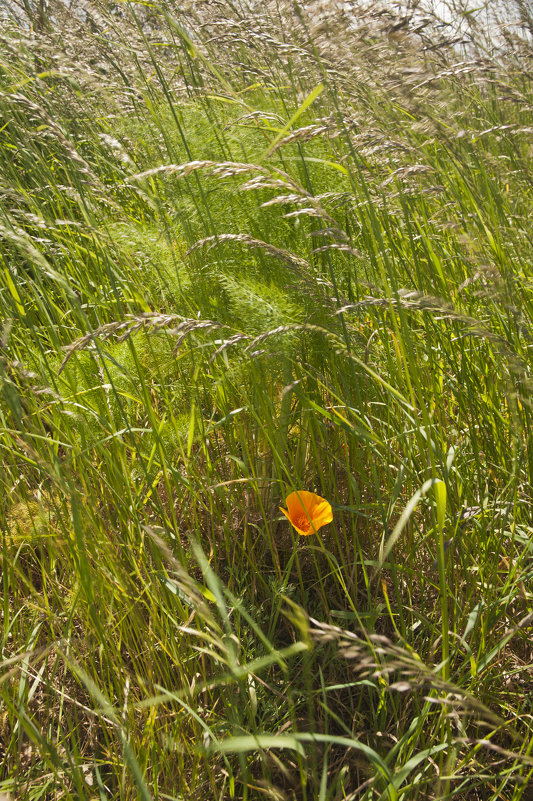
[(247, 252)]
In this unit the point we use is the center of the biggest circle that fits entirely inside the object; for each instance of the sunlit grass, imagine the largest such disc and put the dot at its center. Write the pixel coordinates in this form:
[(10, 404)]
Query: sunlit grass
[(268, 261)]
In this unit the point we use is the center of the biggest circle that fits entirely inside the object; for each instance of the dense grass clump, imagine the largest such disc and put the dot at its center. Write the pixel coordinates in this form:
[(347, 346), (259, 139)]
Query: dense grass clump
[(246, 252)]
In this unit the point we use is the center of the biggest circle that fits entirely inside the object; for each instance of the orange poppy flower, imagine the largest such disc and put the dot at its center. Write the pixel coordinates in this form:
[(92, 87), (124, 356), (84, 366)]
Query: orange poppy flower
[(307, 512)]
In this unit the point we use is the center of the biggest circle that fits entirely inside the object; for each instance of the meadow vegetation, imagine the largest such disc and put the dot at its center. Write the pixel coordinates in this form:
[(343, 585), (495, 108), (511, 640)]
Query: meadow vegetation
[(247, 251)]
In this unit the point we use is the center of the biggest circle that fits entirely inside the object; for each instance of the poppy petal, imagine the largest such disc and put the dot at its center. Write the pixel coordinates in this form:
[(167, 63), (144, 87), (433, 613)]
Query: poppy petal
[(293, 524), (296, 501), (304, 506), (322, 514)]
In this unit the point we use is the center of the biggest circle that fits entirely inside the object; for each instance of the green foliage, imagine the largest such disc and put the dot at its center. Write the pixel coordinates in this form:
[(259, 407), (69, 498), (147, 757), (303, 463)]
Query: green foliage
[(238, 264)]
